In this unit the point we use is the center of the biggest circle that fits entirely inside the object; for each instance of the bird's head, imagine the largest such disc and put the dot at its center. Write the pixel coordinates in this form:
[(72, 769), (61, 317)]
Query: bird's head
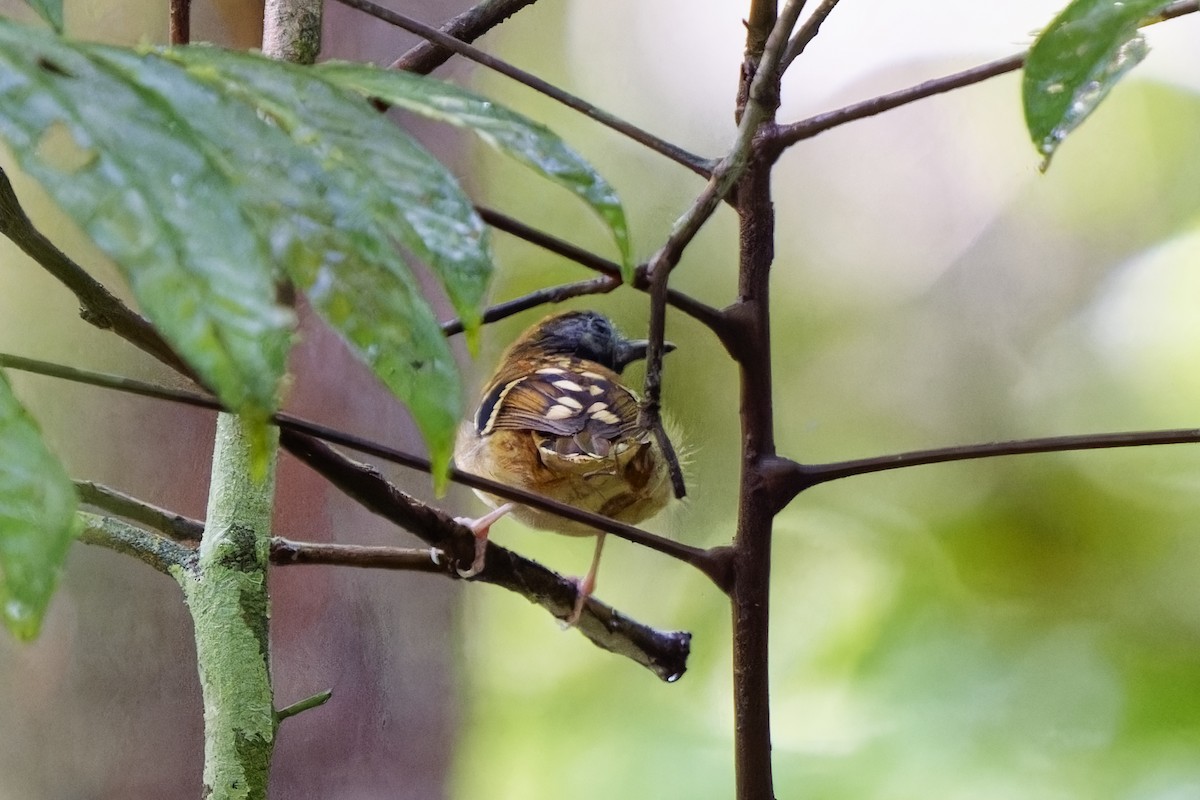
[(588, 335)]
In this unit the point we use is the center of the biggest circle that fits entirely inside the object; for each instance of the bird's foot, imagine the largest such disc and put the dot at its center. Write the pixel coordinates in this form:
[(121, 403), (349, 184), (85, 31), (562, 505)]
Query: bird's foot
[(481, 527)]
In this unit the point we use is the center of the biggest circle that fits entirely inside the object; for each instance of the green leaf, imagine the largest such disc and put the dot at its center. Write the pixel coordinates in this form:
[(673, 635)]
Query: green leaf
[(143, 178), (37, 513), (527, 141), (1076, 61), (366, 184), (410, 194), (49, 10)]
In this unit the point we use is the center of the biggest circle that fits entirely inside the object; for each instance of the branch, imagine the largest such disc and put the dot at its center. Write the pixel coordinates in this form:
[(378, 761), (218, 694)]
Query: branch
[(308, 703), (292, 30), (698, 165), (663, 652), (1176, 10), (705, 314), (424, 519), (763, 99), (151, 548), (794, 478), (179, 13), (551, 294), (466, 27), (787, 135), (713, 563), (98, 306), (176, 526), (286, 553), (807, 32)]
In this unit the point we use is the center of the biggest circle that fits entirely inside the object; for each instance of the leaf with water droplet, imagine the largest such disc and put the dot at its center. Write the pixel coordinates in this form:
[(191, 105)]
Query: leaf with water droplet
[(529, 142), (37, 513), (1074, 63)]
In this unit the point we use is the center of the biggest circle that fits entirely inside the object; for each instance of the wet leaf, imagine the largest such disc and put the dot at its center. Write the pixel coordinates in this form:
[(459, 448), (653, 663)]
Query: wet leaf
[(527, 141), (37, 513), (112, 146), (1074, 63)]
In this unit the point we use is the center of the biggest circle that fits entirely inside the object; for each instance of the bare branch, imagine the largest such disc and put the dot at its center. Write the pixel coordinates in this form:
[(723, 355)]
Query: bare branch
[(807, 32), (763, 99), (799, 477), (466, 27), (151, 548), (698, 165), (98, 306), (550, 294), (663, 652), (432, 525), (292, 30), (703, 313), (176, 526), (1177, 10), (787, 135), (286, 553), (308, 703), (179, 13)]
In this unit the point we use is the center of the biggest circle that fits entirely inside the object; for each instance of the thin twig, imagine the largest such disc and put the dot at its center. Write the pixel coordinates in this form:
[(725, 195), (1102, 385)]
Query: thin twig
[(286, 553), (807, 32), (308, 703), (804, 476), (703, 313), (151, 548), (540, 297), (176, 526), (698, 165), (786, 135), (466, 27), (180, 24), (1177, 10), (98, 306), (763, 99)]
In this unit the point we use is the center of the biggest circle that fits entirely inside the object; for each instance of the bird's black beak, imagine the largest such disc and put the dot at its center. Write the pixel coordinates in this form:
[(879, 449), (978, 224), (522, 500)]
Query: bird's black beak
[(631, 350)]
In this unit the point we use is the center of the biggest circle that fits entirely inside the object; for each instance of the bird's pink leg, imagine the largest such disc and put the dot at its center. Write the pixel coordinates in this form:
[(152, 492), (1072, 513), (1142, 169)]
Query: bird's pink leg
[(588, 584)]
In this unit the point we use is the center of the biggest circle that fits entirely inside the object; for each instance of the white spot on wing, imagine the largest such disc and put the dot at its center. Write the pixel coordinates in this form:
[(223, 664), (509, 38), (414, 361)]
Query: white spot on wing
[(559, 412)]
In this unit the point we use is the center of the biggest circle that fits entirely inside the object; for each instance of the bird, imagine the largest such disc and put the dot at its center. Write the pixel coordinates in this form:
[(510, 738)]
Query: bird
[(556, 419)]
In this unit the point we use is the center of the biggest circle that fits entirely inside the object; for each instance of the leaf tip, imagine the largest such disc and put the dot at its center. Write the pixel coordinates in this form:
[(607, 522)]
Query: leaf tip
[(440, 471)]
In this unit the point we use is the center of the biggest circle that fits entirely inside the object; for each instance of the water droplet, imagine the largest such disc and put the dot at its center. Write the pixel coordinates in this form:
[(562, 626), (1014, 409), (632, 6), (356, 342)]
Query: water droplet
[(17, 611)]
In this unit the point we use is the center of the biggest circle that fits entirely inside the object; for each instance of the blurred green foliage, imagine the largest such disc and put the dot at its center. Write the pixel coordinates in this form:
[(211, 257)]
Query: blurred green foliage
[(1015, 628)]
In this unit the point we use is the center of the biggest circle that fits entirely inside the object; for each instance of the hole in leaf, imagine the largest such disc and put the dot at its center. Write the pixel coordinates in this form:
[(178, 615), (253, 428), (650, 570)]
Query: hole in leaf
[(50, 66), (58, 148)]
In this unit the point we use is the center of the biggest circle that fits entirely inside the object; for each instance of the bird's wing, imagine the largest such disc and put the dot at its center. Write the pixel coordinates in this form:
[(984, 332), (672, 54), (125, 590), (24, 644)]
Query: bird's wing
[(586, 409)]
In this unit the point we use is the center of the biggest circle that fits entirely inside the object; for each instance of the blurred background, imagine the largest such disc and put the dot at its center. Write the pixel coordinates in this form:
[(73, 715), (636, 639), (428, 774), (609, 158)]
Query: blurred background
[(1015, 628)]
